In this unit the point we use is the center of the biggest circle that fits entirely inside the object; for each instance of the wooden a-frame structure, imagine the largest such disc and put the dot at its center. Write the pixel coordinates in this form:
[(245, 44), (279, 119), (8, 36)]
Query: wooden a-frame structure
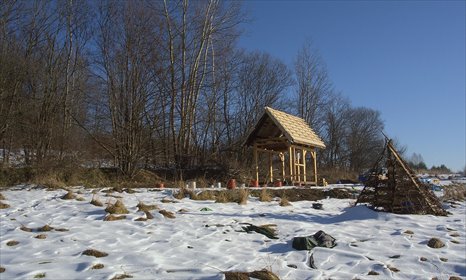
[(292, 140), (400, 191)]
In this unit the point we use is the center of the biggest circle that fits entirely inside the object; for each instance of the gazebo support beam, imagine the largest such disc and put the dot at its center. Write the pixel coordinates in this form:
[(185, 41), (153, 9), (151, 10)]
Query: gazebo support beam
[(255, 162)]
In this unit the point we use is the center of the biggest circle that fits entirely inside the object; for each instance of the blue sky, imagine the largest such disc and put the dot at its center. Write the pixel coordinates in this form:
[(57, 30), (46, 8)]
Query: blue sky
[(403, 58)]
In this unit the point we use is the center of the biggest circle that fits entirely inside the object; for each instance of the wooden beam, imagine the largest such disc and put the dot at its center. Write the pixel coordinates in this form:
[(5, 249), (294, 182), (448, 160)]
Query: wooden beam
[(304, 165), (282, 159), (291, 162), (256, 166), (314, 157), (271, 167)]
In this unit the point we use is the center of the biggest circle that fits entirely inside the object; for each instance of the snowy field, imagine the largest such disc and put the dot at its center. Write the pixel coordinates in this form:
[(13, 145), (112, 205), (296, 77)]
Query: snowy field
[(202, 244)]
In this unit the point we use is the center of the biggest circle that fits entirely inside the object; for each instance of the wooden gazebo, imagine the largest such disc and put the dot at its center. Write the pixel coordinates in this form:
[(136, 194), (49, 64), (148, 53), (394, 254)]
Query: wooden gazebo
[(292, 140)]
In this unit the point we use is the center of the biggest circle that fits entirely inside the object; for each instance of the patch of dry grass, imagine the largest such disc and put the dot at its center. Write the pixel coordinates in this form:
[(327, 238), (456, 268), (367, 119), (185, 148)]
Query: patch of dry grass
[(69, 195), (26, 229), (264, 196), (2, 269), (167, 200), (41, 236), (221, 197), (94, 253), (80, 198), (141, 219), (45, 228), (97, 266), (4, 205), (167, 214), (110, 218), (2, 197), (183, 193), (263, 274), (284, 202), (243, 196), (146, 207), (454, 192), (121, 276), (40, 275), (12, 243), (117, 208), (96, 202), (205, 195), (149, 216), (62, 229)]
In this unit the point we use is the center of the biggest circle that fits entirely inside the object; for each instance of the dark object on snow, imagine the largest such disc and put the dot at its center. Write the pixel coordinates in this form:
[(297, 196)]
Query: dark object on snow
[(319, 239), (399, 190), (317, 206), (266, 230), (311, 262)]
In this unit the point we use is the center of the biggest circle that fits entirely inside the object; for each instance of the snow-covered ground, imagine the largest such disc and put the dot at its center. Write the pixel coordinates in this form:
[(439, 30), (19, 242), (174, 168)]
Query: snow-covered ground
[(201, 244)]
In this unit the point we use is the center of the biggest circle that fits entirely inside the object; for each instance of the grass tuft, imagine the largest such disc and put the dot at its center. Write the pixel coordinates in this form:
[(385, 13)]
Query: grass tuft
[(12, 243), (45, 228), (39, 275), (26, 229), (167, 214), (117, 208), (97, 266), (121, 276), (94, 253), (110, 218), (149, 216), (40, 236), (69, 195), (96, 202), (243, 196), (284, 202), (264, 196), (146, 207)]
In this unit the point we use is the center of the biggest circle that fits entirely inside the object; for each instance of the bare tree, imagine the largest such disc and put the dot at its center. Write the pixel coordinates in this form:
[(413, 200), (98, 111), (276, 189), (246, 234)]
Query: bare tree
[(313, 86), (365, 141), (262, 81), (335, 131), (125, 45)]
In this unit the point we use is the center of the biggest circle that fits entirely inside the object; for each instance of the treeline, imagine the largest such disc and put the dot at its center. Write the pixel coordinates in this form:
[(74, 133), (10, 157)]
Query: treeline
[(157, 84)]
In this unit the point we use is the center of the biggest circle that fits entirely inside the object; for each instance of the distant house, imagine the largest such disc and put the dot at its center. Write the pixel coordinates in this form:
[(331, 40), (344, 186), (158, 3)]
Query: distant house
[(292, 140)]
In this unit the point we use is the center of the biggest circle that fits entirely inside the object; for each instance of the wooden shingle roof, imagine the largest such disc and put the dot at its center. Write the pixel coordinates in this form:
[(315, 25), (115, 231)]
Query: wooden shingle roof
[(293, 128)]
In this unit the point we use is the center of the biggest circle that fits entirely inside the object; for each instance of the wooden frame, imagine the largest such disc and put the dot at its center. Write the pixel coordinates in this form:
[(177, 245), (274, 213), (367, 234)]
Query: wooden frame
[(297, 165)]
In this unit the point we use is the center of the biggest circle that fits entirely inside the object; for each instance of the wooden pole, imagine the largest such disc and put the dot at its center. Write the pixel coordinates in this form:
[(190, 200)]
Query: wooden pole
[(271, 167), (314, 156), (291, 163), (282, 159), (256, 166), (304, 165)]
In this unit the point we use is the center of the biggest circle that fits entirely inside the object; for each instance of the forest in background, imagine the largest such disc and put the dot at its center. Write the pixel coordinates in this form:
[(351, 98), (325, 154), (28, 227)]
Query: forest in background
[(159, 86)]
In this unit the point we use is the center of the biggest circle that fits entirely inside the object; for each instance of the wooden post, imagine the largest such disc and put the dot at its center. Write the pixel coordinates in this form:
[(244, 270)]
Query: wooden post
[(314, 156), (282, 159), (298, 166), (291, 164), (304, 165), (255, 160), (271, 166)]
